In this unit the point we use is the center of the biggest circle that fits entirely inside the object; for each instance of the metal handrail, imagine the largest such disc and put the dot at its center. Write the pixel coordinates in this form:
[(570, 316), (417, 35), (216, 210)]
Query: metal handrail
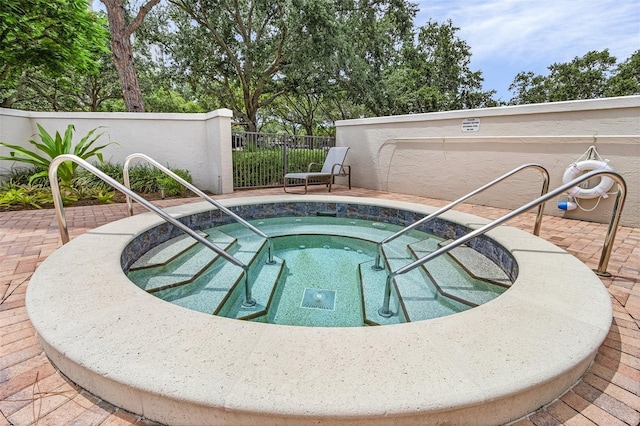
[(198, 192), (536, 228), (621, 196), (64, 232)]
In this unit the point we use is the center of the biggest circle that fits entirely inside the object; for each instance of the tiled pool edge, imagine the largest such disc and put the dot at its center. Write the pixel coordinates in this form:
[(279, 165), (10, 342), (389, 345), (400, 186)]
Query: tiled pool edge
[(417, 397), (352, 210)]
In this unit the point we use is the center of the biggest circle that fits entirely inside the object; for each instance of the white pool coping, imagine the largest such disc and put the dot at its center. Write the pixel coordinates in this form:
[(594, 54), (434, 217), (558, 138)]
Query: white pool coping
[(488, 365)]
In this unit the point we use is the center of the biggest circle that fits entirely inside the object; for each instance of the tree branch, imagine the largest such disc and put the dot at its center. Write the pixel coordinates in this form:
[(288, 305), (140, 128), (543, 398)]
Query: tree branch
[(246, 35), (217, 37), (137, 21)]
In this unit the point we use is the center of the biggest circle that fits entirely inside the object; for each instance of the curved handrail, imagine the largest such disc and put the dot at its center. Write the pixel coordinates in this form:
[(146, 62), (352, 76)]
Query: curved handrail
[(62, 222), (198, 192), (536, 228), (621, 196)]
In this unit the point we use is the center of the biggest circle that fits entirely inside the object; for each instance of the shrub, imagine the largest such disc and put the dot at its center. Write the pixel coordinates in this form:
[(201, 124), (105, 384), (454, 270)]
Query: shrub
[(170, 186), (24, 176), (143, 178), (52, 147), (17, 191), (265, 166), (85, 178), (104, 197), (25, 195)]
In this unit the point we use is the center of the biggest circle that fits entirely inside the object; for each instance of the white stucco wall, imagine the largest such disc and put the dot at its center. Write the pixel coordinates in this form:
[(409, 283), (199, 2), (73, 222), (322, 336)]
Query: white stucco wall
[(430, 154), (199, 143), (422, 154)]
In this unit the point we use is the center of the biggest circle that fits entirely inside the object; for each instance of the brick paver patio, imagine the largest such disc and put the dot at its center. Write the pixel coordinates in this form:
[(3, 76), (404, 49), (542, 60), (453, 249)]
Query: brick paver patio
[(33, 392)]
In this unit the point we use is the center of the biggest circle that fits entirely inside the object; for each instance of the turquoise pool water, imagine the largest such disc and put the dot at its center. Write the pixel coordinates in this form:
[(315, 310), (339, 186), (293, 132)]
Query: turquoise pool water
[(322, 276), (320, 286)]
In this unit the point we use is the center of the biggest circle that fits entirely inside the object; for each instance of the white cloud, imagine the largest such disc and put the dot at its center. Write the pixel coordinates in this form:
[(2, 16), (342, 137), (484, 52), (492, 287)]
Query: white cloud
[(509, 36), (524, 30)]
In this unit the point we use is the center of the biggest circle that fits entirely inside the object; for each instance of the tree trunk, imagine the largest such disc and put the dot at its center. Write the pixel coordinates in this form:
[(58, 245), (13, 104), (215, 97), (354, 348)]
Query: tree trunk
[(123, 52), (123, 60), (251, 113)]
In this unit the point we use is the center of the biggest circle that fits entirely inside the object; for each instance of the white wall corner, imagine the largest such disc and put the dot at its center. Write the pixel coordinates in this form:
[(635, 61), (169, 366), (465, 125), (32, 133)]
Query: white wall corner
[(218, 152)]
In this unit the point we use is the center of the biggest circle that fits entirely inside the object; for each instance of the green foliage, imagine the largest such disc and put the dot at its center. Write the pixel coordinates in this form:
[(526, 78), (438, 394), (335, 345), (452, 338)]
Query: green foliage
[(591, 76), (52, 34), (84, 180), (113, 105), (113, 170), (626, 78), (18, 197), (143, 178), (19, 189), (104, 197), (292, 66), (86, 185), (255, 168), (164, 100), (312, 51), (16, 190), (170, 186), (25, 195), (432, 74), (72, 90), (264, 166), (147, 179), (529, 89), (582, 78), (24, 176), (52, 147)]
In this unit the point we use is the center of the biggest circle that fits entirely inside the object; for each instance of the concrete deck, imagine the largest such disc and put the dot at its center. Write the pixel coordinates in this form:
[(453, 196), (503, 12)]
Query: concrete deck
[(32, 391)]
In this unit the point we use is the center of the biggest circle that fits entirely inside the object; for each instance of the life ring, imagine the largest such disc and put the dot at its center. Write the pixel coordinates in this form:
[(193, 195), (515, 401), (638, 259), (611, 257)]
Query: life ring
[(576, 169)]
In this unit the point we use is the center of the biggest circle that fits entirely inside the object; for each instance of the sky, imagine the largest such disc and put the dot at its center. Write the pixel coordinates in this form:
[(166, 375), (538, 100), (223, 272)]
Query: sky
[(510, 36)]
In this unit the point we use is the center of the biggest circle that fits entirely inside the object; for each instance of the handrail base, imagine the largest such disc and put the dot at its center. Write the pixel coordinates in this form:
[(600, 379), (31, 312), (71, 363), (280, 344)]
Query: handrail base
[(248, 303), (385, 314)]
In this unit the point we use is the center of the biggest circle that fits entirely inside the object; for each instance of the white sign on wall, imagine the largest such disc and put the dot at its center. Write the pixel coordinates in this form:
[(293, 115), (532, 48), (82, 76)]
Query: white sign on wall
[(470, 124)]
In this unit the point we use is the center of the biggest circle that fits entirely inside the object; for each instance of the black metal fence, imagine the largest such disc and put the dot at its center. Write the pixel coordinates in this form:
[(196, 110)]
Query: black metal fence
[(260, 160)]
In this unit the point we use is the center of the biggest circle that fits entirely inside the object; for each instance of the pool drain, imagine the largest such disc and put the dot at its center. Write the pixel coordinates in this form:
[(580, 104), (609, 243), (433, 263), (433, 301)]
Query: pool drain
[(316, 298)]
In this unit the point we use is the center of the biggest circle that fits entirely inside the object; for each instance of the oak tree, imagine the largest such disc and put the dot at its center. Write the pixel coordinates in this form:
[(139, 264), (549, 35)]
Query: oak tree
[(594, 75)]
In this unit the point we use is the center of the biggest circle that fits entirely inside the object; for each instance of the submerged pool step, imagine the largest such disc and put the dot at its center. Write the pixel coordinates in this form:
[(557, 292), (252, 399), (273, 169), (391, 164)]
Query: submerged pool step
[(418, 294), (211, 289), (421, 301), (411, 294), (372, 283), (451, 280), (185, 262), (166, 252), (262, 291)]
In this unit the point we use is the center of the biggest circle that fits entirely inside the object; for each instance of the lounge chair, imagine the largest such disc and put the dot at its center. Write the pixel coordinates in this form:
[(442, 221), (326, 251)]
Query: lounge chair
[(333, 166)]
